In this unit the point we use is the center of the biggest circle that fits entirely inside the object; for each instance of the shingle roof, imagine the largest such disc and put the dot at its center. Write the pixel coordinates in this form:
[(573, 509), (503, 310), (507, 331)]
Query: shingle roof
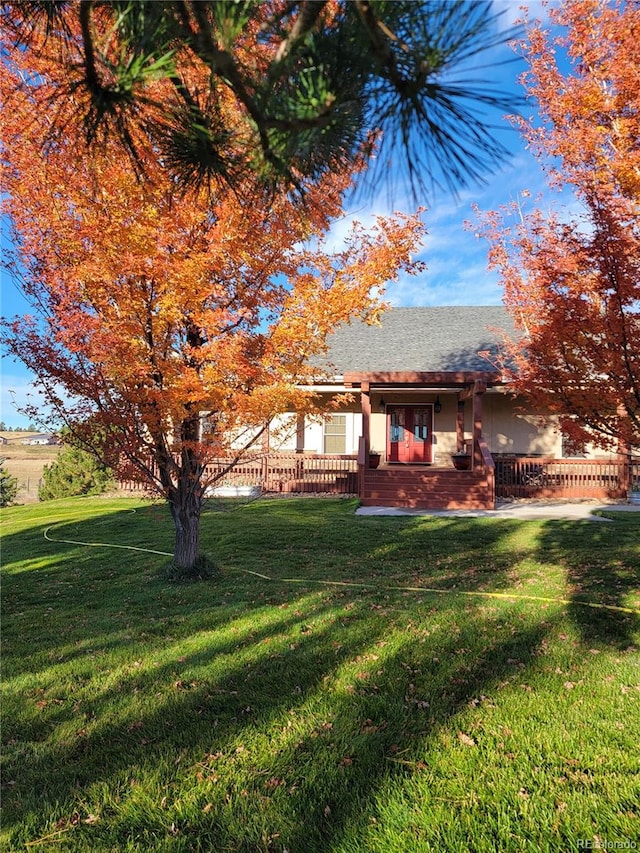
[(420, 339)]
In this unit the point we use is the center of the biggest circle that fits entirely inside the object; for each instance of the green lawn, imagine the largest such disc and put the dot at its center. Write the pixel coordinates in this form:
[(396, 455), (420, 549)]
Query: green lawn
[(313, 698)]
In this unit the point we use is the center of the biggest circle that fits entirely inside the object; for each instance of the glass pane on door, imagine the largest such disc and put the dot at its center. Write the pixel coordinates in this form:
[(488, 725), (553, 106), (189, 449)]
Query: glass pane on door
[(421, 424), (396, 425)]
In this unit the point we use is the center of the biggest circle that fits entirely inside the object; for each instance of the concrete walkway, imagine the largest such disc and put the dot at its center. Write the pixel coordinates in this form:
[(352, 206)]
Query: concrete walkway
[(521, 510)]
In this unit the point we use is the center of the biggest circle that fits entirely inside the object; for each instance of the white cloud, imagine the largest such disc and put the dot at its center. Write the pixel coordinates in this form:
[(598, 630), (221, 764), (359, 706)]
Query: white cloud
[(17, 391)]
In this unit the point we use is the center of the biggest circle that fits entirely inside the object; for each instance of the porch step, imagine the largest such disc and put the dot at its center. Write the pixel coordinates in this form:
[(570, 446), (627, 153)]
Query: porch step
[(428, 489)]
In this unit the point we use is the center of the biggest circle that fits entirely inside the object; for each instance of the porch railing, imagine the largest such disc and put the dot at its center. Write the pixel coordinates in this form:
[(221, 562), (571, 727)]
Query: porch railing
[(516, 477), (295, 472), (282, 473), (634, 481), (533, 477)]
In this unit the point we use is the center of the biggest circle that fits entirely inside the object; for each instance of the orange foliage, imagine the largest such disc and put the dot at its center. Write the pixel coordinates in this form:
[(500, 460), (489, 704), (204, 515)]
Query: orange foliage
[(156, 309), (572, 280)]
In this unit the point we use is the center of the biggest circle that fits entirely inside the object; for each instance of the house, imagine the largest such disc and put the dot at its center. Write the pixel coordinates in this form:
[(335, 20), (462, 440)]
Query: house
[(426, 397), (40, 439)]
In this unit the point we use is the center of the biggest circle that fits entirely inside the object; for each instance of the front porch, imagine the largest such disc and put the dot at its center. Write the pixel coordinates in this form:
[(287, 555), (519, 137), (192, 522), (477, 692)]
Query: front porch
[(411, 415)]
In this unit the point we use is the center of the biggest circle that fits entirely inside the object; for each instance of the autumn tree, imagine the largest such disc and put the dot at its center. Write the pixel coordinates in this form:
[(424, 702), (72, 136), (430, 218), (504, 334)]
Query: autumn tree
[(154, 310), (572, 276), (312, 81)]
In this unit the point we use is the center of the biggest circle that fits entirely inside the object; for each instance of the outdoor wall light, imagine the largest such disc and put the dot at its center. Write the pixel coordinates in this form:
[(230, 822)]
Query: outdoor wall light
[(437, 406), (382, 404)]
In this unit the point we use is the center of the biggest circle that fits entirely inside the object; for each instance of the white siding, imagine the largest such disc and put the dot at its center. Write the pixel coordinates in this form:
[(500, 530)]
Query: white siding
[(282, 432)]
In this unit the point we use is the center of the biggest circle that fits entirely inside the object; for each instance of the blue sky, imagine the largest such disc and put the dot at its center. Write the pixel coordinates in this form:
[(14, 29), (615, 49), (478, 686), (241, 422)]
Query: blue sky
[(456, 260)]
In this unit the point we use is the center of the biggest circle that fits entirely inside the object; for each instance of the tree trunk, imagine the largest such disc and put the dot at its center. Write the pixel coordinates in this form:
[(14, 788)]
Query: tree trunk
[(186, 517), (181, 480)]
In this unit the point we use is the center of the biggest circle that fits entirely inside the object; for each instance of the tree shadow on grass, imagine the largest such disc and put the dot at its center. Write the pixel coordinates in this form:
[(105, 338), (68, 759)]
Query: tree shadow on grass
[(599, 564), (384, 720), (602, 566), (115, 736), (342, 707), (311, 789), (92, 727)]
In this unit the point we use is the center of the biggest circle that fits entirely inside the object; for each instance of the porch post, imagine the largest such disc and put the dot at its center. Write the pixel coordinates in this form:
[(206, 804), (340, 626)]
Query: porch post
[(364, 445), (478, 390), (365, 397), (460, 427)]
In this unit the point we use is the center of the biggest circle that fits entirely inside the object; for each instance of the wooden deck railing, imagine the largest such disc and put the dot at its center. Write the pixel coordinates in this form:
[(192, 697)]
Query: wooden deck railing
[(535, 477), (283, 472), (634, 481), (295, 472), (528, 477)]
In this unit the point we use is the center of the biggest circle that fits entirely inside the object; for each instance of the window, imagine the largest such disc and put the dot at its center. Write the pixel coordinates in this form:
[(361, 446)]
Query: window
[(335, 434)]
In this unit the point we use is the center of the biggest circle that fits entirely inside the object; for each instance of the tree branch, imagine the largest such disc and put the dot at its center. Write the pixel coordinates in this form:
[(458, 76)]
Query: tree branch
[(309, 13)]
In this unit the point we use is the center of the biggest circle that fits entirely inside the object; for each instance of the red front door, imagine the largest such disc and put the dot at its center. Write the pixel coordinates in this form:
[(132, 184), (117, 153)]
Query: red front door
[(409, 434)]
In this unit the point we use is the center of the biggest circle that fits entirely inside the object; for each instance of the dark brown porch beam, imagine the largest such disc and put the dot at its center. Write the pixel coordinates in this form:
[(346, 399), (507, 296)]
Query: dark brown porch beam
[(441, 377)]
